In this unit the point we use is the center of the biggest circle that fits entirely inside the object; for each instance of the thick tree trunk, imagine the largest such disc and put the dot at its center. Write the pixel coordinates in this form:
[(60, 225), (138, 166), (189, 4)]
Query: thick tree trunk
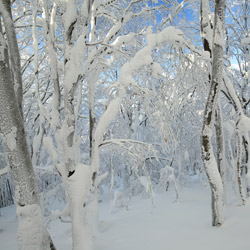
[(5, 11), (31, 233), (208, 158), (79, 185)]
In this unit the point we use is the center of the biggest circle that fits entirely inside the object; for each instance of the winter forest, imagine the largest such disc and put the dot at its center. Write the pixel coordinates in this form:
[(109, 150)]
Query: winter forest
[(124, 124)]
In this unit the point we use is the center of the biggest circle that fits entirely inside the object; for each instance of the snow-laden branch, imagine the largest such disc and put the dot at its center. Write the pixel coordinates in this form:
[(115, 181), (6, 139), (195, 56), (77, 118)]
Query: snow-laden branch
[(49, 23), (176, 10), (124, 141), (141, 59), (243, 121), (35, 48), (4, 171), (228, 88), (48, 143)]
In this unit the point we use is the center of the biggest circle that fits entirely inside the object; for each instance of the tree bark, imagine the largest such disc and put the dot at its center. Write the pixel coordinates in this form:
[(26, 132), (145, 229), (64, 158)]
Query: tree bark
[(15, 63), (220, 147), (207, 36), (239, 154), (247, 149), (31, 232)]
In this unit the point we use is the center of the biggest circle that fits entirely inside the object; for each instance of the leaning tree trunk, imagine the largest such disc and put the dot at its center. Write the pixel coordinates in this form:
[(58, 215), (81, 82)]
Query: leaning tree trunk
[(208, 157), (31, 232), (231, 95)]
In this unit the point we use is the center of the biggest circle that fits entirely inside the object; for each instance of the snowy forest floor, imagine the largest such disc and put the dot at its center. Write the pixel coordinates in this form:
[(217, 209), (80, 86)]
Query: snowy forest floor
[(185, 224)]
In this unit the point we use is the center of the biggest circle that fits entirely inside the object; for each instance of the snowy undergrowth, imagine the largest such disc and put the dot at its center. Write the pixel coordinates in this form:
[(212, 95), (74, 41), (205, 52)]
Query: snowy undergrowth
[(185, 224)]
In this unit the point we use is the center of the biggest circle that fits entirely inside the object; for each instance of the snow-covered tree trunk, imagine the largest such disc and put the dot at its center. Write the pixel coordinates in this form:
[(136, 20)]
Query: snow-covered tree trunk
[(75, 176), (93, 75), (207, 40), (208, 157), (78, 177), (206, 26), (238, 26), (242, 131), (31, 232)]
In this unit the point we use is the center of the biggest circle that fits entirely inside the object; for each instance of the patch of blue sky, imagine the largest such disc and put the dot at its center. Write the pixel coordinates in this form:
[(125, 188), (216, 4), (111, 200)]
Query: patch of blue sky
[(186, 11)]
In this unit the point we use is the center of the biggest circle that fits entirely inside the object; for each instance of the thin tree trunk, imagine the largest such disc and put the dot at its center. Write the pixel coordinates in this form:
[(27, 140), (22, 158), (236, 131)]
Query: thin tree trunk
[(206, 26), (208, 157), (247, 149), (237, 106), (239, 153), (207, 36), (220, 150)]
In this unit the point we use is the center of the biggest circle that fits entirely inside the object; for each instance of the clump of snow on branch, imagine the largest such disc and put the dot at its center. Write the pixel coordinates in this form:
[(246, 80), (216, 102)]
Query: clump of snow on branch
[(30, 223), (10, 138)]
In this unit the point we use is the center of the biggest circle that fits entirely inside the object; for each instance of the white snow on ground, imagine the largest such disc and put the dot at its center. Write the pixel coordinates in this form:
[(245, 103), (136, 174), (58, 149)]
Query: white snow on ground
[(8, 228), (185, 224)]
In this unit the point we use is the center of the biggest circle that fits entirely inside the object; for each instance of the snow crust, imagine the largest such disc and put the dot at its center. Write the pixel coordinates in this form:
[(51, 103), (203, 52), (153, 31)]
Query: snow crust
[(10, 138), (4, 170), (125, 39), (48, 143), (79, 190), (243, 124), (175, 226), (80, 183), (30, 223), (245, 41), (70, 13), (156, 70)]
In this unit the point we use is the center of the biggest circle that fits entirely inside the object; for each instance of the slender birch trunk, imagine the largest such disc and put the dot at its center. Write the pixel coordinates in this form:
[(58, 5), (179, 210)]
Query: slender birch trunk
[(247, 148), (209, 161), (206, 26), (220, 147), (228, 86), (207, 40), (239, 154)]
